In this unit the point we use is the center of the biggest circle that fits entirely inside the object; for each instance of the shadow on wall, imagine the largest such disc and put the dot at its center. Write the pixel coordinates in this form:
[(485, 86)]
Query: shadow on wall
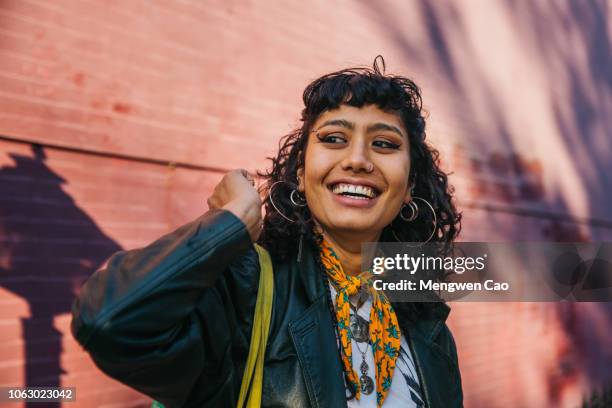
[(567, 45), (48, 248), (568, 52)]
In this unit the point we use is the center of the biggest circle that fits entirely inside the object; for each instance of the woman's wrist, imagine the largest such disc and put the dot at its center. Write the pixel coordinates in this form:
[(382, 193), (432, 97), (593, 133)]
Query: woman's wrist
[(249, 214)]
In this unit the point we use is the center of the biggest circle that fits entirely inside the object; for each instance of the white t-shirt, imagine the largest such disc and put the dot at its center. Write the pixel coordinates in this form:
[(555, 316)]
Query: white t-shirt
[(405, 390)]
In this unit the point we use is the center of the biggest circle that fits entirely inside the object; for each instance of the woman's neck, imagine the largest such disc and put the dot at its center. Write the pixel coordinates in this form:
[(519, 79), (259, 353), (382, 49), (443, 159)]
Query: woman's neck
[(348, 248)]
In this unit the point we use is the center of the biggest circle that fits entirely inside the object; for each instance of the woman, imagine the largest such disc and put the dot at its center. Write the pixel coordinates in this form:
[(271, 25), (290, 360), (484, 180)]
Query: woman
[(174, 319)]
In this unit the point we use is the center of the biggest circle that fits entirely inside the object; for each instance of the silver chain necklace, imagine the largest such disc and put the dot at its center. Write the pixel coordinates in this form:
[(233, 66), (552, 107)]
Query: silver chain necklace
[(360, 332)]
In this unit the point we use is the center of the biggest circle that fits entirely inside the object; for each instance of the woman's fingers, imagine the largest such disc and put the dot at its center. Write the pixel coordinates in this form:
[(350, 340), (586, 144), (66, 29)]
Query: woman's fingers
[(237, 193), (248, 176)]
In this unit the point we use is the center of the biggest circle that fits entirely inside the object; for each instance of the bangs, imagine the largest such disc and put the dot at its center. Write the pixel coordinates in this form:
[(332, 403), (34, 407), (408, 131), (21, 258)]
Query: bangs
[(359, 87)]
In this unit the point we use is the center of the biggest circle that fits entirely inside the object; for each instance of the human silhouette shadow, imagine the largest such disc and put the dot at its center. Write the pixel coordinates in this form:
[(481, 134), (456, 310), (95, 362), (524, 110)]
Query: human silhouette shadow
[(51, 247)]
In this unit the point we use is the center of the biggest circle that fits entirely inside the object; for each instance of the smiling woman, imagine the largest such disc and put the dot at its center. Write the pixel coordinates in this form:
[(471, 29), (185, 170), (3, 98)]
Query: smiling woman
[(184, 319), (369, 131)]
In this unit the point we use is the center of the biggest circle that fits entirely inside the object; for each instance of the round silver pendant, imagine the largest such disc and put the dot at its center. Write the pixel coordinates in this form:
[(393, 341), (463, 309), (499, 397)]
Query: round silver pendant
[(360, 328), (367, 384)]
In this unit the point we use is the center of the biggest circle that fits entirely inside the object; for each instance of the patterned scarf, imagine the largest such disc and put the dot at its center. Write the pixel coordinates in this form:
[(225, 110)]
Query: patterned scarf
[(384, 332)]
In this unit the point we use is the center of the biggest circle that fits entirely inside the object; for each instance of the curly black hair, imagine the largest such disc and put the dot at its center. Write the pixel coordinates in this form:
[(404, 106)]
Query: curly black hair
[(358, 87)]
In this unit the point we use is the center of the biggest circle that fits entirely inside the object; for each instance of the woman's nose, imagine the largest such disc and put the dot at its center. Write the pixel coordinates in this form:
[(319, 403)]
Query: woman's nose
[(357, 159)]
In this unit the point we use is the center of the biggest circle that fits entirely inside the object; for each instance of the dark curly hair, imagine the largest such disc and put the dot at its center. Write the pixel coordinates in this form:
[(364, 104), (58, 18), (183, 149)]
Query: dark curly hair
[(359, 87)]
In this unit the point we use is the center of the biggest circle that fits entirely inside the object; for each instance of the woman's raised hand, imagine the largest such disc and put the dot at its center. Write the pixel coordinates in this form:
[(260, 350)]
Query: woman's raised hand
[(236, 192)]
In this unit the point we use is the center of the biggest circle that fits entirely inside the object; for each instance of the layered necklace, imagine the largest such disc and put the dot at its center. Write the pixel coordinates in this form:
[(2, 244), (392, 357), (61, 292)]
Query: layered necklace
[(359, 329), (381, 332)]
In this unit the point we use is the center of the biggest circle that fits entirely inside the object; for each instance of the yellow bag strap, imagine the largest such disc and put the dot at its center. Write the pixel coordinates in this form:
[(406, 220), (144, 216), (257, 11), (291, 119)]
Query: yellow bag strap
[(252, 379)]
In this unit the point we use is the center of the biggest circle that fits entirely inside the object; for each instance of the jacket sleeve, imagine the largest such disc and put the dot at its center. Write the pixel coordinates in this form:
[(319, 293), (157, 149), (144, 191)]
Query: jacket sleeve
[(140, 316)]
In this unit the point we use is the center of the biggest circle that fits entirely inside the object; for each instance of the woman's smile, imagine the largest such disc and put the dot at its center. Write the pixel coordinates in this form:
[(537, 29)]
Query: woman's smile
[(357, 193)]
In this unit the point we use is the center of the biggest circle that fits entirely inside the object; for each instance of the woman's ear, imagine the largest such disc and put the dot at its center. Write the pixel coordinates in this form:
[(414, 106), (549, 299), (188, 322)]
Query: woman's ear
[(300, 179), (409, 193), (408, 197)]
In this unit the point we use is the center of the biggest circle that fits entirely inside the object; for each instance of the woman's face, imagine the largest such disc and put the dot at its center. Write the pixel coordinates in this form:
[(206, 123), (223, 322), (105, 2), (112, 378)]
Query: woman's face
[(355, 175)]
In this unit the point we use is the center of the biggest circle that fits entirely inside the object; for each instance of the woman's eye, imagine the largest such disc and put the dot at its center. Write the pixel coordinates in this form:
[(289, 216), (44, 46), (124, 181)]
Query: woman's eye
[(333, 139), (386, 144)]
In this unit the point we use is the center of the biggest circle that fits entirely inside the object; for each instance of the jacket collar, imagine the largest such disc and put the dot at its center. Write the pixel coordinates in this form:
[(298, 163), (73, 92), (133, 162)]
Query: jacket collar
[(310, 272)]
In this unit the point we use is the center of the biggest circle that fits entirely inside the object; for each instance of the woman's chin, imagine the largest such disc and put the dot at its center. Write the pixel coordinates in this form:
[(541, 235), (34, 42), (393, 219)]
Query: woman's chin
[(359, 228)]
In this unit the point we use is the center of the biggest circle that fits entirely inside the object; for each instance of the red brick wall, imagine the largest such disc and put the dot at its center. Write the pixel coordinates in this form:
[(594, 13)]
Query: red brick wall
[(117, 118)]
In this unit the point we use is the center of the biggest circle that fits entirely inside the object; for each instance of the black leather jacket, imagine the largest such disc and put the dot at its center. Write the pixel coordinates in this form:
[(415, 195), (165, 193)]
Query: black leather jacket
[(173, 321)]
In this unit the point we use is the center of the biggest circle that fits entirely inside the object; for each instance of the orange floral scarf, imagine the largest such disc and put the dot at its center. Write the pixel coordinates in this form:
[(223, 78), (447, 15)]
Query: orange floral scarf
[(384, 328)]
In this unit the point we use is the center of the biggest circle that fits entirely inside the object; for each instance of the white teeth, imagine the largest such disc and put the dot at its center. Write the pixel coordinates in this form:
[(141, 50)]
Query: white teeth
[(354, 189)]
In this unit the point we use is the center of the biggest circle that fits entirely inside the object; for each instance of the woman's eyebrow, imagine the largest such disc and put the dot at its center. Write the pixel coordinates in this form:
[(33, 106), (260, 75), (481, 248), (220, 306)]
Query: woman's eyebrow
[(384, 126), (338, 122), (371, 128)]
